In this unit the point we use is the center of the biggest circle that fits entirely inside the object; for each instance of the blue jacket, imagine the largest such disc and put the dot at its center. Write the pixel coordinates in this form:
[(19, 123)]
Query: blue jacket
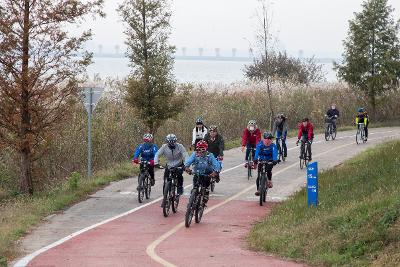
[(264, 152), (203, 165), (146, 151)]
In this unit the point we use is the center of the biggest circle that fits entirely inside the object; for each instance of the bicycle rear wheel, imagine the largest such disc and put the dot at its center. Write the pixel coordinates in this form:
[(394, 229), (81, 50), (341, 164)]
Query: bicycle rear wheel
[(141, 188), (212, 186), (190, 208), (167, 199)]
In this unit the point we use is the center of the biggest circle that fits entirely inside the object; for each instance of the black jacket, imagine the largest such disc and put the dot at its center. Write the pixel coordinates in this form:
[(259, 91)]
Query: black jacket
[(217, 146), (332, 112)]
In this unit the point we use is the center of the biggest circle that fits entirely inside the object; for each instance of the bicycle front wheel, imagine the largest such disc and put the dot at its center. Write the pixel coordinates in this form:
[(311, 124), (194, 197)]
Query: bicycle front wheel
[(174, 200), (141, 188), (249, 165), (166, 200), (199, 209), (261, 188), (190, 208), (147, 187)]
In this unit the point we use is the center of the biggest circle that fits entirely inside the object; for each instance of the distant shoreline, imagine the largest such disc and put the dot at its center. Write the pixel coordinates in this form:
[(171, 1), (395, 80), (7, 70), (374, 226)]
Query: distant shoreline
[(209, 58)]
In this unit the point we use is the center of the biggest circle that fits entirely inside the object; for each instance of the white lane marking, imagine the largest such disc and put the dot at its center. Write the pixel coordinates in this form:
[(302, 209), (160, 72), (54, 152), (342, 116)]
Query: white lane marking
[(150, 250), (128, 193), (24, 261)]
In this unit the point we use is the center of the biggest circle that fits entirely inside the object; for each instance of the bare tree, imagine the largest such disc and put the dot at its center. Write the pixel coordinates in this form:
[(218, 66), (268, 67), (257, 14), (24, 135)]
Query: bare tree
[(39, 70)]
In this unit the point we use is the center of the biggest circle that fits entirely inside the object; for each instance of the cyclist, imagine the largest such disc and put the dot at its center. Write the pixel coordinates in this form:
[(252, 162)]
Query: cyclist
[(333, 115), (362, 116), (250, 138), (147, 151), (198, 132), (280, 130), (175, 154), (266, 151), (204, 163), (216, 145), (306, 134)]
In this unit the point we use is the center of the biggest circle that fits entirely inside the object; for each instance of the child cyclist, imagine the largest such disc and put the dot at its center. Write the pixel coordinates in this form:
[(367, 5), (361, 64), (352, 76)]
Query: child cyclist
[(204, 163), (266, 150), (147, 151)]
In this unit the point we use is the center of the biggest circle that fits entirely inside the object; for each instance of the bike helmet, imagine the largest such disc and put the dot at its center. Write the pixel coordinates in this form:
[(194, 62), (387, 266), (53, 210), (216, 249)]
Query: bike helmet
[(202, 146), (213, 128), (252, 122), (282, 116), (267, 135), (147, 137), (171, 139), (360, 110), (199, 121)]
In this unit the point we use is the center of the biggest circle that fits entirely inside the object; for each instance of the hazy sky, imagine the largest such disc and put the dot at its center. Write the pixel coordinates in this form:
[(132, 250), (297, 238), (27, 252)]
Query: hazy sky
[(314, 26)]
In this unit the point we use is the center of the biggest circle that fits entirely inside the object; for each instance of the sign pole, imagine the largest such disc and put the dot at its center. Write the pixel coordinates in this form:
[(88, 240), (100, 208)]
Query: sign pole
[(90, 110)]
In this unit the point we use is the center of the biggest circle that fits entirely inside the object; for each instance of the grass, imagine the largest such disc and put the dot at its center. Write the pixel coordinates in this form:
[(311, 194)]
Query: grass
[(20, 213), (356, 224)]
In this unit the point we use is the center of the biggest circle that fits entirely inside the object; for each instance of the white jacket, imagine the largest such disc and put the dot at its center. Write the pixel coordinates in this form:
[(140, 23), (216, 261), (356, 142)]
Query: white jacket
[(198, 134)]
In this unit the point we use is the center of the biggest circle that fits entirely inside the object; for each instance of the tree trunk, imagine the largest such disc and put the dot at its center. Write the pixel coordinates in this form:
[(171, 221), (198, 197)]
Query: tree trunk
[(372, 101), (26, 185)]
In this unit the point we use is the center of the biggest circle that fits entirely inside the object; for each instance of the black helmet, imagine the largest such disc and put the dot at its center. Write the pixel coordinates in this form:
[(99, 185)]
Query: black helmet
[(199, 121), (267, 135)]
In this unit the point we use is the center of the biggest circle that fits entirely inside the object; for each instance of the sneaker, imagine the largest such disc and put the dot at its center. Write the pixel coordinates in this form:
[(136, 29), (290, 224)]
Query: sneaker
[(257, 193), (269, 184), (301, 157), (152, 181), (246, 165)]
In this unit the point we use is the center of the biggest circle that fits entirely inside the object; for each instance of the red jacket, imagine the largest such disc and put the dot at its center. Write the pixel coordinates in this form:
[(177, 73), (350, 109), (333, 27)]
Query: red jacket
[(251, 138), (305, 130)]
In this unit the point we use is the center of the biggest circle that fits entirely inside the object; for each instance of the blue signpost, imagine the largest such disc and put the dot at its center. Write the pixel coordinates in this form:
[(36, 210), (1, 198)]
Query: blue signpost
[(312, 184)]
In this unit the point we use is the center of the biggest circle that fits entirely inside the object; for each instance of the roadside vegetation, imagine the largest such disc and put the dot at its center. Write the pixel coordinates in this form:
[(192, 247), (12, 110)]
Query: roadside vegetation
[(357, 222)]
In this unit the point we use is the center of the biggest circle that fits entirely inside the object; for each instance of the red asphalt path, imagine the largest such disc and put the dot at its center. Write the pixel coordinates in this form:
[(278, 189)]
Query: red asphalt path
[(217, 241)]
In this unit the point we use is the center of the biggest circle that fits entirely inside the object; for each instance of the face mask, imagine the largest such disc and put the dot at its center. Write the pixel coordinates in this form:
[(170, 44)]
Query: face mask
[(305, 124), (333, 107), (251, 128)]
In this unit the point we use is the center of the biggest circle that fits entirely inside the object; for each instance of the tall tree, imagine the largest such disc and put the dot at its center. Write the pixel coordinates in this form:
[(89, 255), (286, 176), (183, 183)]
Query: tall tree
[(151, 87), (39, 67), (371, 58)]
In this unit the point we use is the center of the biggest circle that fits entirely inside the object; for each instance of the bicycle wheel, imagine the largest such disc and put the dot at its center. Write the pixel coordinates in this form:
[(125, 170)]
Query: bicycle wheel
[(190, 207), (334, 132), (327, 133), (174, 200), (306, 156), (166, 200), (301, 158), (147, 187), (249, 165), (212, 185), (278, 146), (363, 136), (141, 188), (261, 188), (358, 137), (198, 214)]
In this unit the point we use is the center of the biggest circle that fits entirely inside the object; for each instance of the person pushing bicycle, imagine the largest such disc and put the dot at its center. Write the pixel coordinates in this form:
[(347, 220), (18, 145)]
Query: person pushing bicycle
[(250, 138), (204, 163), (266, 151)]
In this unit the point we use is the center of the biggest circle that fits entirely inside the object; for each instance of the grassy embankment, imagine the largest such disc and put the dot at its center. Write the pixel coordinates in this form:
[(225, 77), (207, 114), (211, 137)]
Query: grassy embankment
[(20, 213), (356, 224)]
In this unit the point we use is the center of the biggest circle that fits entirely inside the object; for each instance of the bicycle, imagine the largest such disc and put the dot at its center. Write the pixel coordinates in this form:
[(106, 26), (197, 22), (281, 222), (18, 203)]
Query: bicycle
[(250, 163), (330, 131), (171, 197), (304, 157), (360, 135), (279, 142), (262, 186), (213, 180), (196, 204), (144, 183)]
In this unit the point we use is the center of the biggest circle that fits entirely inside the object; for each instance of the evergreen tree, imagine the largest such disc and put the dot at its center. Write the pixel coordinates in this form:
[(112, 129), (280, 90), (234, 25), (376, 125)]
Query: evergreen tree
[(151, 87), (371, 60)]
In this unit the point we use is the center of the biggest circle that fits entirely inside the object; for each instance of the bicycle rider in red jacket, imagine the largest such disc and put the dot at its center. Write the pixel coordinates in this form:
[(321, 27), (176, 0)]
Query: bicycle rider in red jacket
[(250, 138), (306, 134)]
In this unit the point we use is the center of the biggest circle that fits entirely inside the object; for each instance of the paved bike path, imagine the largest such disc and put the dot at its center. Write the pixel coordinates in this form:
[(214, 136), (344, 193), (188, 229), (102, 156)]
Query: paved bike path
[(123, 242)]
